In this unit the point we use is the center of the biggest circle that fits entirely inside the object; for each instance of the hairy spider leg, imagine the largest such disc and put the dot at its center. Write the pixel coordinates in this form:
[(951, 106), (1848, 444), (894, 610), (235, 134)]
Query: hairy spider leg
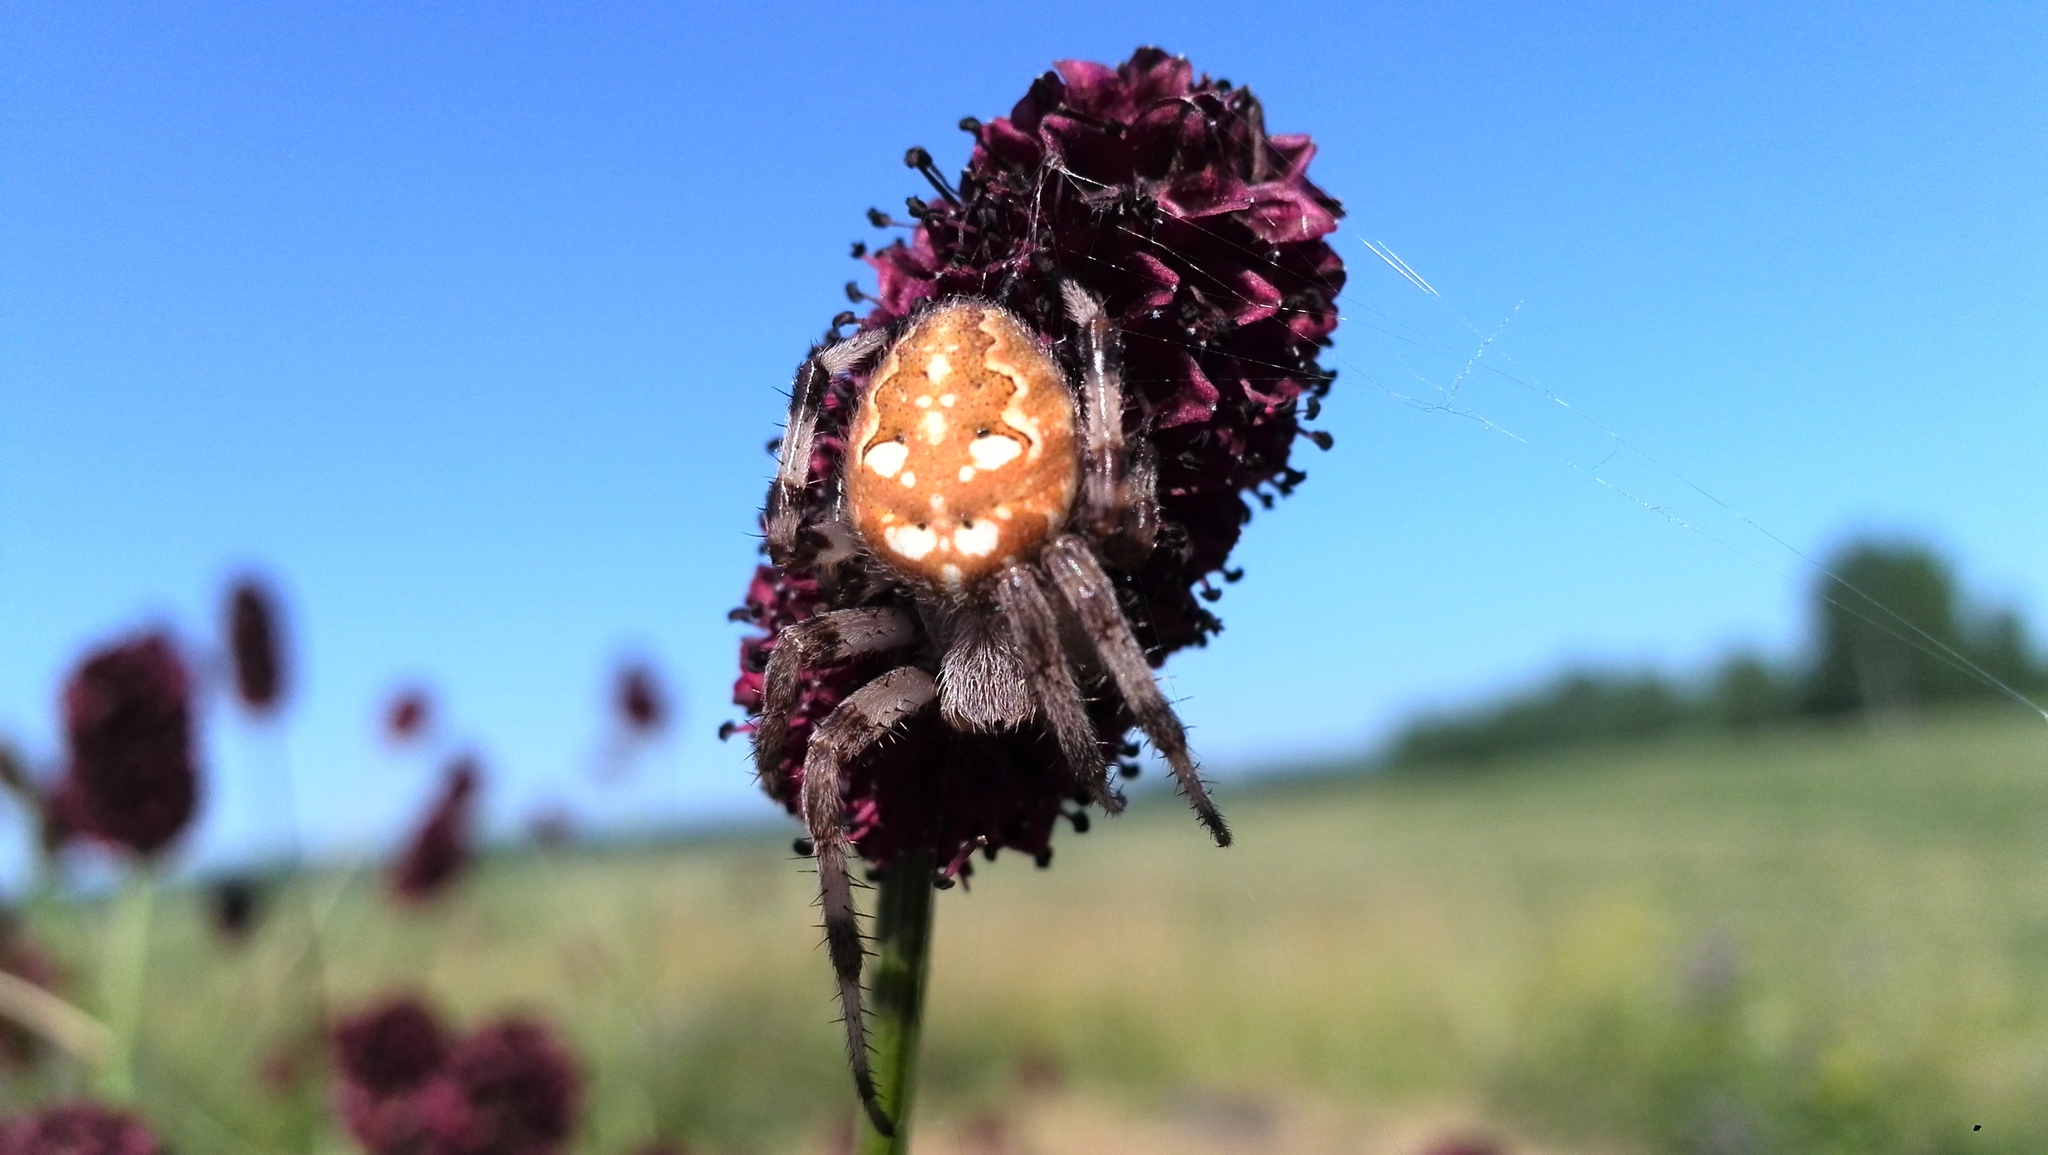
[(1022, 600), (793, 465), (829, 637), (1102, 412), (1081, 581), (865, 716)]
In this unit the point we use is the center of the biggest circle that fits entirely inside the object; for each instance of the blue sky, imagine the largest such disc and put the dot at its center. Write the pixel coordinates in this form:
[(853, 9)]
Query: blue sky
[(468, 324)]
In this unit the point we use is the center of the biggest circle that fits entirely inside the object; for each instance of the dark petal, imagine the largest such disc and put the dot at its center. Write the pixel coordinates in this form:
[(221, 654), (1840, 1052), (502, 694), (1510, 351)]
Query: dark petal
[(1196, 400), (1154, 74), (1286, 213), (1090, 153), (1091, 88), (1292, 153), (1207, 193), (1256, 298)]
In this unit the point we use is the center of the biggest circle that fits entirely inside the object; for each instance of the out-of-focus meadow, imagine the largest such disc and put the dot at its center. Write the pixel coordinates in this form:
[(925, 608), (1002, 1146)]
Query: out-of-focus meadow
[(1821, 939)]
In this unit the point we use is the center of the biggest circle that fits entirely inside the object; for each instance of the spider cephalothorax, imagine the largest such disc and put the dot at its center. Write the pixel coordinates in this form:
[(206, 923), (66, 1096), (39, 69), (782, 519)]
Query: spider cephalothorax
[(996, 499)]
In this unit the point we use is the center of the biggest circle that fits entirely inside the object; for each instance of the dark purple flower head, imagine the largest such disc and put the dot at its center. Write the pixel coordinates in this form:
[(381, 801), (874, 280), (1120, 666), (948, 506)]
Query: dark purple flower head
[(404, 1088), (641, 701), (1162, 193), (77, 1128), (409, 715), (256, 644), (131, 780), (520, 1090), (391, 1047), (440, 848)]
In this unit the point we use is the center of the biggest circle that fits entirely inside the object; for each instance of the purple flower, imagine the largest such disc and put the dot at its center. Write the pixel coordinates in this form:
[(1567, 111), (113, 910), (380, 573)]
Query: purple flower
[(404, 1088), (1162, 194), (409, 715), (641, 701), (131, 780), (77, 1128), (440, 848), (256, 645), (520, 1090), (391, 1047)]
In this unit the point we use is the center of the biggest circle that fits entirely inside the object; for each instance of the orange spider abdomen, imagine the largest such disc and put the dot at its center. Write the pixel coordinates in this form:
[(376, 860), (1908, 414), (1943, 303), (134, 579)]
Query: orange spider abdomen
[(962, 458)]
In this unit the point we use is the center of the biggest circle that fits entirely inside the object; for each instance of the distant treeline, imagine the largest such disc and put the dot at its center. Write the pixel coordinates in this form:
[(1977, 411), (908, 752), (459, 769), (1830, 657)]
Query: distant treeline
[(1890, 632)]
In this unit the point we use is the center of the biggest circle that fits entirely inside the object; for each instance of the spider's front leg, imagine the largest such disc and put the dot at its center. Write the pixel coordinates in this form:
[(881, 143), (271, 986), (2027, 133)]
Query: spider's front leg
[(865, 716), (1119, 479), (793, 464), (829, 637)]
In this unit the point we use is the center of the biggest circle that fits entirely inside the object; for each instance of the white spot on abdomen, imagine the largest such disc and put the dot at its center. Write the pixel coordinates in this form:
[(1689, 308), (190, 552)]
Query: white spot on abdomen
[(909, 480), (993, 452), (967, 473), (938, 368), (933, 426), (977, 540), (887, 458), (910, 542)]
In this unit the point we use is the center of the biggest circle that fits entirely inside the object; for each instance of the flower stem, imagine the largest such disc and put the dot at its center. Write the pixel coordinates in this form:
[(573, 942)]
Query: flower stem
[(127, 970), (903, 940)]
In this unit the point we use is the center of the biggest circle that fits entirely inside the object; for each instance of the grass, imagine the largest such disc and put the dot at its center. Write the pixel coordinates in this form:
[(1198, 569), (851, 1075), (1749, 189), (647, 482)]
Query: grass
[(1815, 941)]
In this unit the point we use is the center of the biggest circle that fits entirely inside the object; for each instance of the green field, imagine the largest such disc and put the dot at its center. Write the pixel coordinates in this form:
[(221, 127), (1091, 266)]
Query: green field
[(1805, 942)]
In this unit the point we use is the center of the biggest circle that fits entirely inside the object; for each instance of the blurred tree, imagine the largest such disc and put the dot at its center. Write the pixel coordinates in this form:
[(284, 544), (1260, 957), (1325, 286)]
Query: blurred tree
[(1892, 634), (1747, 693), (1580, 706)]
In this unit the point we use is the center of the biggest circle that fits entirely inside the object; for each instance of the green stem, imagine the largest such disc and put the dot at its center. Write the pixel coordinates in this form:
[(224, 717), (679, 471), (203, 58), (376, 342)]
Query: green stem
[(127, 972), (903, 940)]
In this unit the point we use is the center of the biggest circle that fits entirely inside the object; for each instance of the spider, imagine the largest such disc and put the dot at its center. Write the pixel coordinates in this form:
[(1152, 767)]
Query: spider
[(980, 482)]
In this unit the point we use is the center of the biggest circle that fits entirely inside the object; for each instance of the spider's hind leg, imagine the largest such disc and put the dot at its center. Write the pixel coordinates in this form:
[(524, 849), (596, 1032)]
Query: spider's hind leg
[(863, 717)]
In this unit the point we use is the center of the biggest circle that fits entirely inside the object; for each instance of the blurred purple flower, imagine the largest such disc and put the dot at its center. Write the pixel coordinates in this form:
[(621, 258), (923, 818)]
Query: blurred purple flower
[(77, 1128), (256, 643), (404, 1088), (520, 1090), (409, 715), (393, 1046), (440, 848), (641, 700), (1162, 193), (131, 780)]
